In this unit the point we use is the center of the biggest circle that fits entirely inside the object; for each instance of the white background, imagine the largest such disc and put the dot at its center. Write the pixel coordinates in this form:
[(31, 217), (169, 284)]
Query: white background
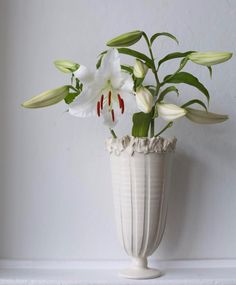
[(55, 188)]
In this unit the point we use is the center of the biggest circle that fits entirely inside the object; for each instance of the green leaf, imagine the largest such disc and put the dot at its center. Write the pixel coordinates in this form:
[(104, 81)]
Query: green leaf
[(137, 82), (195, 101), (126, 39), (99, 60), (136, 54), (141, 122), (163, 34), (210, 70), (127, 68), (47, 98), (151, 89), (78, 85), (167, 90), (173, 56), (70, 97), (187, 78)]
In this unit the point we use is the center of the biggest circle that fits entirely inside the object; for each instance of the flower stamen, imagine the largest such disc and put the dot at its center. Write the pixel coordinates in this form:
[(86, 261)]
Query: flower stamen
[(98, 108), (122, 106), (102, 99), (113, 115), (119, 99), (109, 98)]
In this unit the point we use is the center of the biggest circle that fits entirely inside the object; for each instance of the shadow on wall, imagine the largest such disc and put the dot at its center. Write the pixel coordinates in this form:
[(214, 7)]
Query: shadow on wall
[(183, 169)]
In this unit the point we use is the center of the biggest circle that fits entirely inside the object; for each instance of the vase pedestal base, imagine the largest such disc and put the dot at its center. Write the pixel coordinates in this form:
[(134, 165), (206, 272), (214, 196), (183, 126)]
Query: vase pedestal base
[(140, 273)]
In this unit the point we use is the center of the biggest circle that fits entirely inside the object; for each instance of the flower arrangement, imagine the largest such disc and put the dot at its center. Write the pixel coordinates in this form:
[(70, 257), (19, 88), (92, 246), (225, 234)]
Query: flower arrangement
[(114, 89)]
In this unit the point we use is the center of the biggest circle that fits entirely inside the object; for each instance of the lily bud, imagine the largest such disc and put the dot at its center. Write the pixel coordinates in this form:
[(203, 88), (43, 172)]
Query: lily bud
[(66, 66), (144, 100), (47, 98), (170, 112), (140, 69), (203, 117), (126, 39), (209, 58)]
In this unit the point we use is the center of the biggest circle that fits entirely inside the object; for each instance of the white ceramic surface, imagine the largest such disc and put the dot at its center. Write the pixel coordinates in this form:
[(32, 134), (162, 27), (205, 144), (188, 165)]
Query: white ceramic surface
[(140, 183)]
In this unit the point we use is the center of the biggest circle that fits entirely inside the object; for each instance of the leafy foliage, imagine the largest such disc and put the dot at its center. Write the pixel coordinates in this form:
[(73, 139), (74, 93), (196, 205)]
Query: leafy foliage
[(155, 36), (187, 78), (141, 123)]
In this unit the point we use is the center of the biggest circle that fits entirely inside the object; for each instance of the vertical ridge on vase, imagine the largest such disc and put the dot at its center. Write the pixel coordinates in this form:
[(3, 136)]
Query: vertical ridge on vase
[(131, 206), (144, 208), (160, 207), (121, 214), (163, 211), (135, 216), (148, 203)]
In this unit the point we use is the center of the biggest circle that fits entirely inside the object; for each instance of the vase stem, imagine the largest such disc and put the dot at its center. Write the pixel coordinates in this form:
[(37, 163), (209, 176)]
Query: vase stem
[(139, 262)]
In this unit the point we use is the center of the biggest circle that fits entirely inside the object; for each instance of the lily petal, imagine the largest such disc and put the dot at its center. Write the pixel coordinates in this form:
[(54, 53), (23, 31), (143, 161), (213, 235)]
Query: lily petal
[(84, 105), (110, 65), (84, 75)]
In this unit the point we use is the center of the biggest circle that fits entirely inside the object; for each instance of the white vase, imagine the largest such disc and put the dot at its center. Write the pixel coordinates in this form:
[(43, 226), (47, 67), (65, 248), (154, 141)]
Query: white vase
[(140, 169)]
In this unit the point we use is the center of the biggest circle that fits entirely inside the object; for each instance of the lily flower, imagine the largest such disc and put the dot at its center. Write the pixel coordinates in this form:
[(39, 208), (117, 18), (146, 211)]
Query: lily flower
[(170, 112), (107, 92)]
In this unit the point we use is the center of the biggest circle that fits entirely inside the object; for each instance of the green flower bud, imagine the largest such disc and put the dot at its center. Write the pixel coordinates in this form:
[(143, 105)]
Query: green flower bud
[(144, 100), (66, 66), (209, 58), (203, 117), (170, 112), (47, 98), (126, 39), (140, 69)]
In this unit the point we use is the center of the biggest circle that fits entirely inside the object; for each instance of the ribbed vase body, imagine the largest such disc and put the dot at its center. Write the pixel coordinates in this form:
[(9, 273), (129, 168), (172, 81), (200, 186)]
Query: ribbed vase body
[(140, 184), (140, 169)]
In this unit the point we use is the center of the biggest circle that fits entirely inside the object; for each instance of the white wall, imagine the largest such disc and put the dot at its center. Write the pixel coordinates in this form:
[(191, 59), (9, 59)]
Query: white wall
[(55, 195)]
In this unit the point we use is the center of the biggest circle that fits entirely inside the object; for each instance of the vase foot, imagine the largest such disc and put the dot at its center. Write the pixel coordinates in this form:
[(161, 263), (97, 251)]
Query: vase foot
[(140, 273)]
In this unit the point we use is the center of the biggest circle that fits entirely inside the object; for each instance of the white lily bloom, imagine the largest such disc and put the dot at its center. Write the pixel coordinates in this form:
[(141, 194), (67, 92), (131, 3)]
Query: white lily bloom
[(108, 91), (144, 99), (170, 112)]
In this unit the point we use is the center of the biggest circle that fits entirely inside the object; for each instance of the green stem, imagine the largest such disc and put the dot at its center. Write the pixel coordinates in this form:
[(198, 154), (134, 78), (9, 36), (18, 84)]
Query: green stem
[(154, 71), (152, 128), (165, 128), (182, 65), (113, 133)]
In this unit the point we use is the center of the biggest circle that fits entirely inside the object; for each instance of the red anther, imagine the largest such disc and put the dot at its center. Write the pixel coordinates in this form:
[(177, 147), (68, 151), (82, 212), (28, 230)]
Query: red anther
[(98, 109), (109, 98), (120, 100), (122, 106), (113, 115), (102, 99)]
